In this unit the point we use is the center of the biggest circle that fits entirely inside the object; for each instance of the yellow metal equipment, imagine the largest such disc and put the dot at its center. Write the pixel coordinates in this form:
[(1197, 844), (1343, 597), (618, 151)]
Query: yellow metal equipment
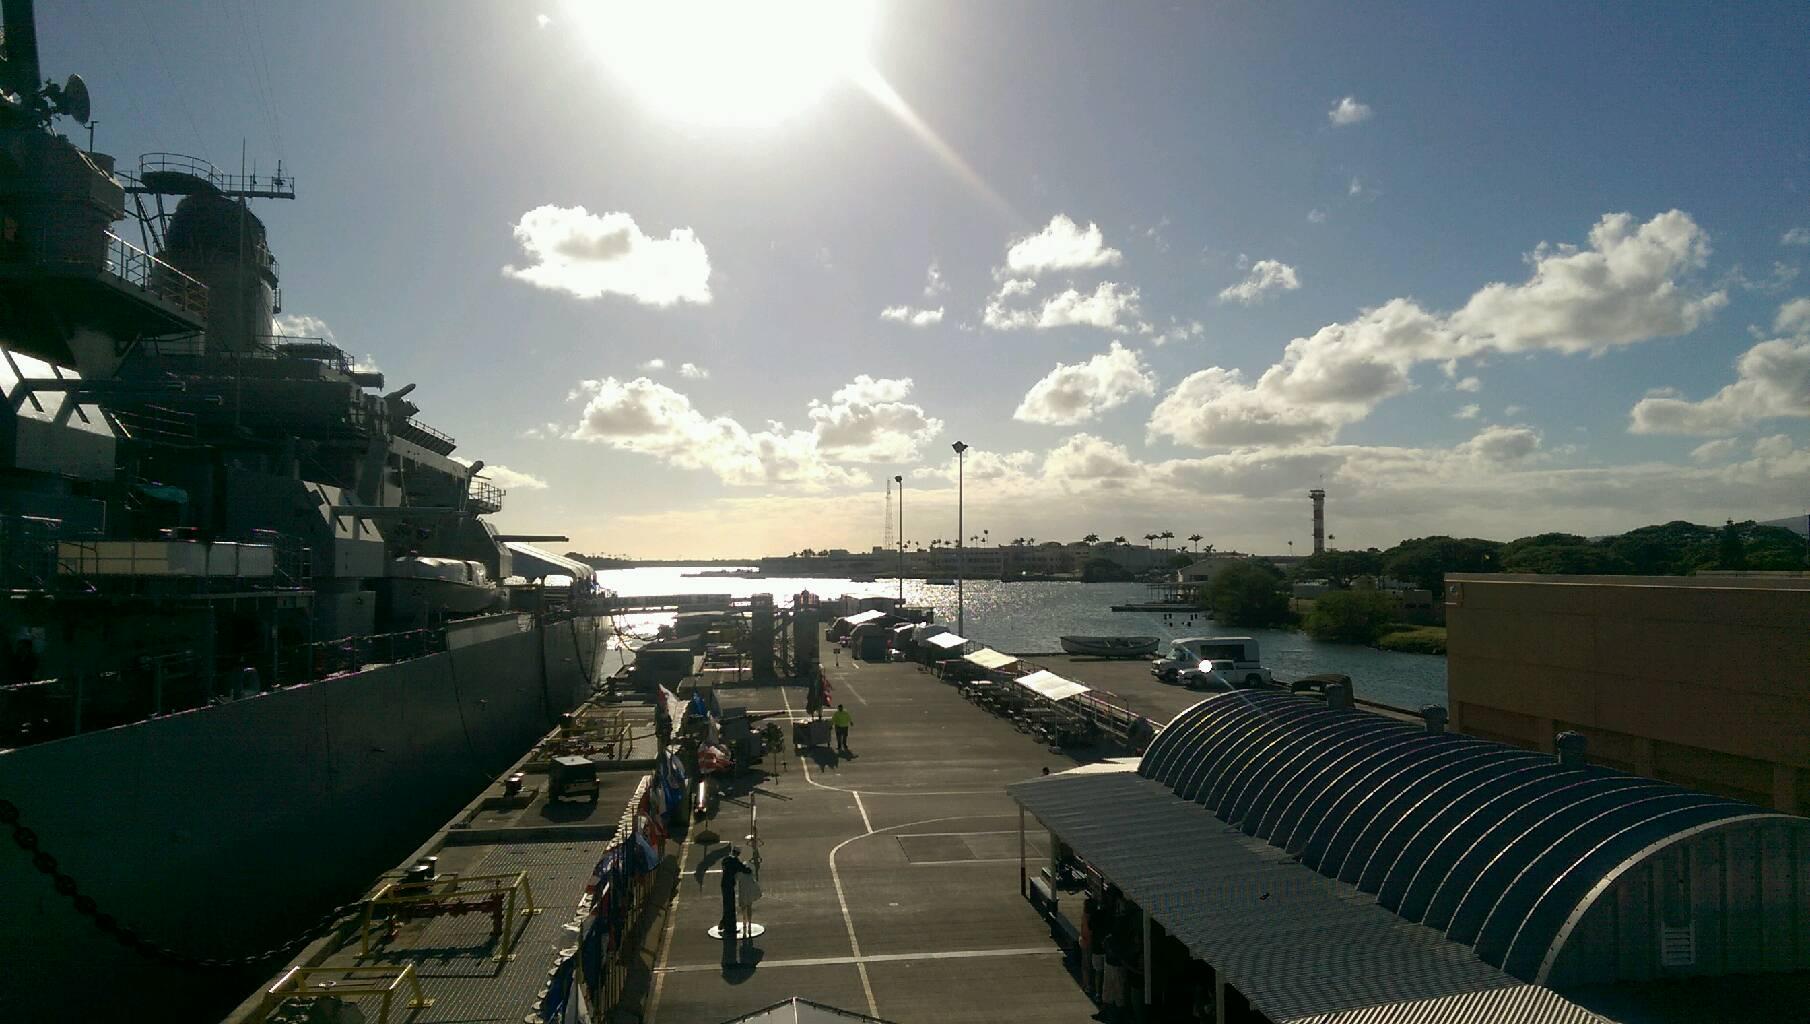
[(382, 982), (400, 901)]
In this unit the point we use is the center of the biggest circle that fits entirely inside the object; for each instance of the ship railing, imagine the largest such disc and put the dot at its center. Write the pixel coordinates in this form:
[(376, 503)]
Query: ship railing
[(426, 436), (323, 658), (484, 497), (348, 983), (278, 185), (139, 268), (28, 552), (158, 424)]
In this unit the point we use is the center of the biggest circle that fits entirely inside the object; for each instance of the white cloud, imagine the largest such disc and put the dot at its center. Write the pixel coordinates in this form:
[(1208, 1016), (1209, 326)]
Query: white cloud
[(1793, 317), (934, 284), (1795, 236), (1177, 330), (1105, 307), (1061, 245), (642, 416), (1776, 446), (1502, 444), (692, 371), (1348, 111), (1512, 410), (654, 364), (1471, 384), (1715, 451), (588, 255), (1085, 458), (1624, 288), (1356, 188), (300, 325), (513, 480), (1772, 380), (1629, 286), (1468, 412), (1316, 216), (913, 317), (869, 421), (1077, 392), (1265, 276), (1503, 484)]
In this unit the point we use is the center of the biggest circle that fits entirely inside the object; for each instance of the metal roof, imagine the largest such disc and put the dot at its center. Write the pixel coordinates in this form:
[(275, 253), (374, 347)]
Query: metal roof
[(987, 657), (944, 640), (1298, 945), (1494, 846), (1048, 684)]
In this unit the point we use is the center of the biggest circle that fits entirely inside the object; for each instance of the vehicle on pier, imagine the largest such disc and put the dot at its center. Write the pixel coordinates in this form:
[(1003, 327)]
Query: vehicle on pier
[(1237, 658)]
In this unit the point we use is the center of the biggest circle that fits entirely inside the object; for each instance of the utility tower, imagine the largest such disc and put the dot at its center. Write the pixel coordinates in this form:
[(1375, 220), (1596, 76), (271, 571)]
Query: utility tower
[(888, 542), (1319, 499)]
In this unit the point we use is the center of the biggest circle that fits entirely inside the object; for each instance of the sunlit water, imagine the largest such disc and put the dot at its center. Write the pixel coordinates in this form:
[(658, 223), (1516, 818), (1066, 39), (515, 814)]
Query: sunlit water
[(1027, 618)]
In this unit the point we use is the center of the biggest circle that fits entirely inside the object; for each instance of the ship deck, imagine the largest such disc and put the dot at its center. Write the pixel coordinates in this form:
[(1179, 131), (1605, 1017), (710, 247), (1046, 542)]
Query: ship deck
[(890, 878)]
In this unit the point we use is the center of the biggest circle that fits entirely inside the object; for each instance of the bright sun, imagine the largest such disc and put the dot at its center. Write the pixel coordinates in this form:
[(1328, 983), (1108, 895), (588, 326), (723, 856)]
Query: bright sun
[(728, 62)]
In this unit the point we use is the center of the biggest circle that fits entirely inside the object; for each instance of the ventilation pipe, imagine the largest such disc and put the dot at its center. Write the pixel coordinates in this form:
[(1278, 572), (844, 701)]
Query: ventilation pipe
[(1338, 695), (1435, 717), (1572, 747)]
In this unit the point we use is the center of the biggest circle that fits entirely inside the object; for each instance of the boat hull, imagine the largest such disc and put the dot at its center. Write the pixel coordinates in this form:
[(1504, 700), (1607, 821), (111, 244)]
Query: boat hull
[(1111, 646), (221, 830)]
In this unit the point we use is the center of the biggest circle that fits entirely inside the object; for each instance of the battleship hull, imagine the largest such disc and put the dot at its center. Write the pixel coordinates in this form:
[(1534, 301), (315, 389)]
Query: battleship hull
[(222, 830)]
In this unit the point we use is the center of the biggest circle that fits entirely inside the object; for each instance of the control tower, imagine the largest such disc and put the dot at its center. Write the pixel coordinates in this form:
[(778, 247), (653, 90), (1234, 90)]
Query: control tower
[(1319, 500)]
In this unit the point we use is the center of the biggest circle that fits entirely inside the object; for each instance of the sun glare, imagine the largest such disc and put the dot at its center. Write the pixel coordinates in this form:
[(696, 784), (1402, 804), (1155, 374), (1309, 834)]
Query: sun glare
[(728, 62)]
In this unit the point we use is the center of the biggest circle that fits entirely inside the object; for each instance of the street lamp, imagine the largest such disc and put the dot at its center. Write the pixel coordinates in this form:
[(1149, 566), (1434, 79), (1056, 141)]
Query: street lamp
[(900, 480), (961, 624)]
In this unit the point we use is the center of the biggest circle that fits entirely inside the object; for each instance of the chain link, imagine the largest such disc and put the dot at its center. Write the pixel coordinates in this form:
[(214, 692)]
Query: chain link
[(66, 886)]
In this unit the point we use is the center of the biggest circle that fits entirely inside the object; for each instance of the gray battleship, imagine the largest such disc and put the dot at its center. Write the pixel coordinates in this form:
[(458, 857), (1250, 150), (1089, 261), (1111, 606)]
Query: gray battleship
[(258, 635)]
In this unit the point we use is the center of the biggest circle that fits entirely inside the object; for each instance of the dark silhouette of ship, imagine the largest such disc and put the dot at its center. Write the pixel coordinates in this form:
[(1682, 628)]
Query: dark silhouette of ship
[(258, 636)]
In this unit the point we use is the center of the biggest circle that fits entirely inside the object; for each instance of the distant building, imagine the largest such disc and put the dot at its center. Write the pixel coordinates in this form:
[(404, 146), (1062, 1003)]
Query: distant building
[(1699, 680)]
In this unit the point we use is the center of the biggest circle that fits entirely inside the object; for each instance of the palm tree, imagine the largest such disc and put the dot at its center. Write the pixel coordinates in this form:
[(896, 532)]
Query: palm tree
[(1118, 540), (1167, 535), (1148, 538), (1091, 539), (1195, 537)]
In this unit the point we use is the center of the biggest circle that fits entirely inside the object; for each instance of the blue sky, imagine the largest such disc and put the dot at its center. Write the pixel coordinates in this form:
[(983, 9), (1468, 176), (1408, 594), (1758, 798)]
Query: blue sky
[(1212, 183)]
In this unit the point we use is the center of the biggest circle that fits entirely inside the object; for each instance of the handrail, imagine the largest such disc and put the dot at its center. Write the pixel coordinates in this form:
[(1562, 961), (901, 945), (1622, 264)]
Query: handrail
[(137, 267)]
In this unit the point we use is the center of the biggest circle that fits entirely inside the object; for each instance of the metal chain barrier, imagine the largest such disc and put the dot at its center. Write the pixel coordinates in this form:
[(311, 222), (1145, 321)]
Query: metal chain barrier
[(27, 840)]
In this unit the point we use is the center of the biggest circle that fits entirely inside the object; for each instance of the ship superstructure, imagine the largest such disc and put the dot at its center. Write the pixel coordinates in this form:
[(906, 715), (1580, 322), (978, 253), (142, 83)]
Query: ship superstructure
[(257, 636), (215, 499)]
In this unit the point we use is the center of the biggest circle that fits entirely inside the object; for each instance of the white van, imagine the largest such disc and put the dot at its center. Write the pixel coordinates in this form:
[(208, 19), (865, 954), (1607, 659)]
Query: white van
[(1235, 658)]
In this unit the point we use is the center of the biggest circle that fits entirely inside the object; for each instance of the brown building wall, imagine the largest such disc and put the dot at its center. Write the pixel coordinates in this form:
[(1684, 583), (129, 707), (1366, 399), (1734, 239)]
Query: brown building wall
[(1703, 681)]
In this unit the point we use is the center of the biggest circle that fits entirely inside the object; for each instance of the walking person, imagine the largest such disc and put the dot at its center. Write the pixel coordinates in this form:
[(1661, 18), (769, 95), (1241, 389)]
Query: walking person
[(841, 721), (733, 867)]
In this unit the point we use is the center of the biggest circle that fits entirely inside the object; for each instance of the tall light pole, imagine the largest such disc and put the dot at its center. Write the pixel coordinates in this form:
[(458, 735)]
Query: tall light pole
[(961, 624), (900, 480)]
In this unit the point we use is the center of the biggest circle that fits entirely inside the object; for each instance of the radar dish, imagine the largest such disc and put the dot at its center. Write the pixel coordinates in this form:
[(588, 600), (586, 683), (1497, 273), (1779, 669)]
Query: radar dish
[(73, 103)]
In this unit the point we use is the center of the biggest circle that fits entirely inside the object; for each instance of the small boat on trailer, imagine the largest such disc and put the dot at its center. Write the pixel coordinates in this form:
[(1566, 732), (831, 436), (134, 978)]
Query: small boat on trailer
[(1111, 646)]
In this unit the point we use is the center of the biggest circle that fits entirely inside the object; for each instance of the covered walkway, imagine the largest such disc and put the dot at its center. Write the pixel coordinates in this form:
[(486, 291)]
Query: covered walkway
[(1319, 861)]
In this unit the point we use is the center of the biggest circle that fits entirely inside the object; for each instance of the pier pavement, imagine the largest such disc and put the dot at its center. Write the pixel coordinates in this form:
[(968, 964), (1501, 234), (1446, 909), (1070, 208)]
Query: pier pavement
[(890, 876)]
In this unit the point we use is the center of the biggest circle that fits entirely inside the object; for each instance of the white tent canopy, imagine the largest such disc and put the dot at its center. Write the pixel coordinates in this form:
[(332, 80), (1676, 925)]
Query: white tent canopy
[(1050, 685), (988, 658), (947, 641), (866, 616)]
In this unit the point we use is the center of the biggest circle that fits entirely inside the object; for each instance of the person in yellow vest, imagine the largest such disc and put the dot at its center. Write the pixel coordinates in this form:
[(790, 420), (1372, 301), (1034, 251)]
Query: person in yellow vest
[(841, 721)]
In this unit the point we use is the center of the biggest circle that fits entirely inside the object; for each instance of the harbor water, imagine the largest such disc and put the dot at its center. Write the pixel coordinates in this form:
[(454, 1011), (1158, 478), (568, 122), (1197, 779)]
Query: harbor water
[(1028, 618)]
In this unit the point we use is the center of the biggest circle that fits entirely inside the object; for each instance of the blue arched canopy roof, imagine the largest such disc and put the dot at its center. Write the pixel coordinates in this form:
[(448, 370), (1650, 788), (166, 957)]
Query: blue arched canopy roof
[(1495, 846)]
